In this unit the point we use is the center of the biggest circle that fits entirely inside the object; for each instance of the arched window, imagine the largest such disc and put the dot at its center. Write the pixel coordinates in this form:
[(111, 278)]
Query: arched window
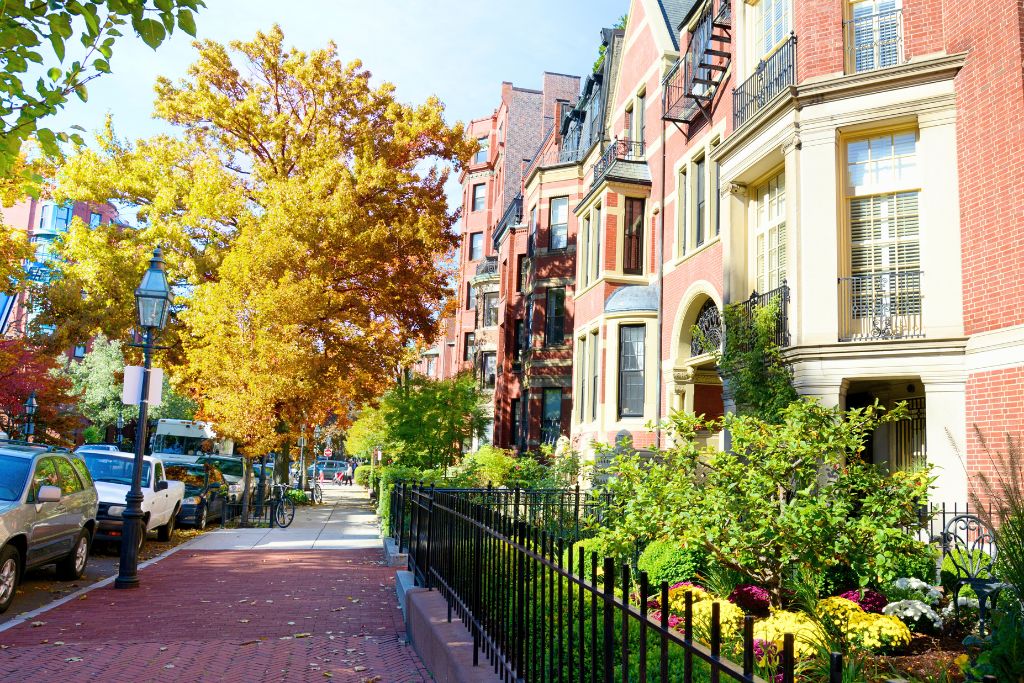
[(707, 336)]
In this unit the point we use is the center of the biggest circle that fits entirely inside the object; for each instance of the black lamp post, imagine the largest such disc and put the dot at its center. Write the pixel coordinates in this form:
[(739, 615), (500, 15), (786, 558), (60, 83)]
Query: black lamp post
[(31, 406), (153, 301)]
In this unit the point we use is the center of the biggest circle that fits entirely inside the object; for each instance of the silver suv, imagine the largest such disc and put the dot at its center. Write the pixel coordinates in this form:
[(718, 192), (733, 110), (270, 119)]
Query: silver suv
[(47, 513)]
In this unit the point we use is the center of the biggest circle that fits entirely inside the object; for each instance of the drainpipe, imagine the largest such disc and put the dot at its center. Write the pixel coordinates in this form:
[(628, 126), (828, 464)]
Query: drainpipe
[(660, 257)]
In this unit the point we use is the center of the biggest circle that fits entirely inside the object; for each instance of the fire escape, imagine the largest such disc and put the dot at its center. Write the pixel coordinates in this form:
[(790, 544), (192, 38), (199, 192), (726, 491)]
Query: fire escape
[(691, 85)]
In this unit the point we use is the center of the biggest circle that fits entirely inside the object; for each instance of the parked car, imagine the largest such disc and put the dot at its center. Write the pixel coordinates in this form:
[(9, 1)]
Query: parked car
[(206, 492), (328, 467), (48, 507), (112, 472), (97, 447), (233, 471)]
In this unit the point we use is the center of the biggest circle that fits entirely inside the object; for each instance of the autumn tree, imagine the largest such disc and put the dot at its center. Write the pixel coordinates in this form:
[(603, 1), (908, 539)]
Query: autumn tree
[(25, 368), (96, 383), (302, 213)]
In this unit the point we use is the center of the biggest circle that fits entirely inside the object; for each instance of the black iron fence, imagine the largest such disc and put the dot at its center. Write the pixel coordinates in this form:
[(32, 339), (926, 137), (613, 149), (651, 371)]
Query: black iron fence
[(769, 80), (624, 150), (542, 609)]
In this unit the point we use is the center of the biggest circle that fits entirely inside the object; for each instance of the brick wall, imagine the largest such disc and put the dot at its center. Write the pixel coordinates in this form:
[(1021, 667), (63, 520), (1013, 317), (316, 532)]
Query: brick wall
[(819, 29), (995, 406), (990, 139)]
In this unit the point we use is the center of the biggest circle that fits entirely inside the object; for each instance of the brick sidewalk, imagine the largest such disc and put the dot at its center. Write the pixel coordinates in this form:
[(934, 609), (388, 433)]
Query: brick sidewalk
[(226, 615)]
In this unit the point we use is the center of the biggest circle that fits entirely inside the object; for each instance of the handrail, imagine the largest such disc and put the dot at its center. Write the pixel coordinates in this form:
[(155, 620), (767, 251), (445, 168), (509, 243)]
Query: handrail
[(769, 80)]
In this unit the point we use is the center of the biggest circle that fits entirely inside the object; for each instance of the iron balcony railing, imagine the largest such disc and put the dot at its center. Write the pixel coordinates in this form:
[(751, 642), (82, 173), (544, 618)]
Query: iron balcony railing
[(618, 150), (771, 78), (777, 297), (874, 41), (884, 305), (700, 69), (488, 266)]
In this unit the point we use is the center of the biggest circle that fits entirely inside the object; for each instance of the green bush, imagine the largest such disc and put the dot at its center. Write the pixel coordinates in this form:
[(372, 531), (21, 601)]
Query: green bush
[(589, 545), (667, 560), (299, 497), (919, 564), (362, 475)]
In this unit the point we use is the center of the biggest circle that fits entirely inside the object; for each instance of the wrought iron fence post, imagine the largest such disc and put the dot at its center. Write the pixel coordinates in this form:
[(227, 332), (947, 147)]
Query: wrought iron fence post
[(478, 541), (430, 533), (835, 668), (608, 607)]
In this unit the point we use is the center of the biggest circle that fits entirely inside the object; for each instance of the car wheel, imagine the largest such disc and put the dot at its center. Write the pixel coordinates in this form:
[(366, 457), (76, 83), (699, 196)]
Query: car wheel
[(201, 517), (73, 566), (166, 532), (10, 564)]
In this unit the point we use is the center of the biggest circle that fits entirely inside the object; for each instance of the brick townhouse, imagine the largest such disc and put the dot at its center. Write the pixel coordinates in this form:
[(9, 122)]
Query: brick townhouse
[(488, 310), (857, 161), (43, 221)]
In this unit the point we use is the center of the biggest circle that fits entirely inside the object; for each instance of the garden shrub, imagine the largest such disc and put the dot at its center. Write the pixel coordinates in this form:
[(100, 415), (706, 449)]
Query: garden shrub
[(667, 560), (751, 599), (877, 633), (906, 588), (362, 475), (588, 545), (730, 617), (916, 615), (920, 563), (868, 600), (386, 479), (806, 633)]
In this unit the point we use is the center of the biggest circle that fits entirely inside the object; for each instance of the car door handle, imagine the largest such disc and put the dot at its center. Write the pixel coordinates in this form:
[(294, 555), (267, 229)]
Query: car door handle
[(60, 508)]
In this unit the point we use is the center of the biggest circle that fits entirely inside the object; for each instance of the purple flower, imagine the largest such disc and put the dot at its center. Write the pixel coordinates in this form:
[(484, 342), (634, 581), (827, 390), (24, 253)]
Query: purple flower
[(680, 584), (869, 600), (751, 598), (763, 648)]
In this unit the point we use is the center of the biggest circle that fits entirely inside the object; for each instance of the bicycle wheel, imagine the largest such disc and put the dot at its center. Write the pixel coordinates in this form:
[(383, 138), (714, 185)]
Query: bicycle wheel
[(318, 494), (285, 512)]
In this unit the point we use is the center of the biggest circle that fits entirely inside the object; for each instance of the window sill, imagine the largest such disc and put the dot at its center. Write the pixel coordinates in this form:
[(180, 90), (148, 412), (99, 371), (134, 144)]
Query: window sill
[(696, 251)]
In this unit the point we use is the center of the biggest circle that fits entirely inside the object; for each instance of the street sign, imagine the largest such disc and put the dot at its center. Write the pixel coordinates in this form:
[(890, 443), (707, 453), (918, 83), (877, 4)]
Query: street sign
[(328, 452), (131, 394)]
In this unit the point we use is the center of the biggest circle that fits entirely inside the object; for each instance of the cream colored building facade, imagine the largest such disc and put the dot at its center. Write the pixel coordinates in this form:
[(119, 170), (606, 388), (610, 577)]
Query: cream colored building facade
[(846, 189)]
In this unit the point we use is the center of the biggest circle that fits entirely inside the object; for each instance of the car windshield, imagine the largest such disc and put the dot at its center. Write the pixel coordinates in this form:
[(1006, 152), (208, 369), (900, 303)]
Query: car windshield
[(113, 469), (13, 473), (193, 476), (231, 468), (182, 445)]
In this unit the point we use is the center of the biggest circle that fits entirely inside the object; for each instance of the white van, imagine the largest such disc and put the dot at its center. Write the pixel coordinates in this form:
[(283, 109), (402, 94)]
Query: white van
[(186, 440)]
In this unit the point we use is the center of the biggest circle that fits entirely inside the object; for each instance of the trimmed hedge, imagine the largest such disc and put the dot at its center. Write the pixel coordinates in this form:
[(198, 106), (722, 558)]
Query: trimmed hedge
[(362, 475), (666, 560)]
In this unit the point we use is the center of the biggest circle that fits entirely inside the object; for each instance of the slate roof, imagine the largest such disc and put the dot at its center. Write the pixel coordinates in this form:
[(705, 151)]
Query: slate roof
[(632, 298), (675, 13)]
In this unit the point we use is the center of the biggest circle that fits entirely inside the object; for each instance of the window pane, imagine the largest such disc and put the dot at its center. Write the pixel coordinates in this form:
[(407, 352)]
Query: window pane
[(467, 349), (631, 370), (476, 246), (555, 311), (470, 296), (633, 245), (490, 309), (479, 196)]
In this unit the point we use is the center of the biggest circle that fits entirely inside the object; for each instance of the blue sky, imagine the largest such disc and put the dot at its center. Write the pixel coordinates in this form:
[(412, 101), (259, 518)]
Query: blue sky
[(459, 50)]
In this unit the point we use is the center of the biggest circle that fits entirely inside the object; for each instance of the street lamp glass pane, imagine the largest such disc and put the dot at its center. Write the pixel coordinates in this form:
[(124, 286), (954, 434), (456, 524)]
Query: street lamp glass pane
[(152, 312)]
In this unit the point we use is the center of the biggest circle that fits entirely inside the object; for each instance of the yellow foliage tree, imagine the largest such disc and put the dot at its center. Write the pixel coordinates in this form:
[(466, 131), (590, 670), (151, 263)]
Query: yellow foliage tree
[(302, 213)]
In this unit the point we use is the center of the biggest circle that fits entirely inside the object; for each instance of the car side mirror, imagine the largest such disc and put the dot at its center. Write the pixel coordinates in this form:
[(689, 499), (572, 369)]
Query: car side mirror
[(161, 485), (48, 494)]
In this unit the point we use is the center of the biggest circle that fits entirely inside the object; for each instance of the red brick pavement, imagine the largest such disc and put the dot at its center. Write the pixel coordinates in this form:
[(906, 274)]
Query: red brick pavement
[(226, 616)]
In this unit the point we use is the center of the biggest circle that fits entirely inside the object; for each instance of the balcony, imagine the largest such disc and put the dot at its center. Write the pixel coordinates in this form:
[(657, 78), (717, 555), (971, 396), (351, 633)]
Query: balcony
[(621, 151), (778, 297), (772, 77), (692, 83), (880, 306), (488, 266), (873, 41)]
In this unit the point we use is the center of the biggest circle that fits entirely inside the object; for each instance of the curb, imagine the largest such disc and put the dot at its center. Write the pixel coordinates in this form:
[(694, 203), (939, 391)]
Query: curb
[(22, 618)]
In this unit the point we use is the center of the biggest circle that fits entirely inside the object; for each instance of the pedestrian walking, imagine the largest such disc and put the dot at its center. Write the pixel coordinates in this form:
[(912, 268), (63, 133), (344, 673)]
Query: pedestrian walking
[(350, 471)]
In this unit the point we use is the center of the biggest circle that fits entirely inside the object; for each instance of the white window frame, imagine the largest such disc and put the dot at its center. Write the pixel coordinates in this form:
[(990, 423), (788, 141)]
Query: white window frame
[(770, 232)]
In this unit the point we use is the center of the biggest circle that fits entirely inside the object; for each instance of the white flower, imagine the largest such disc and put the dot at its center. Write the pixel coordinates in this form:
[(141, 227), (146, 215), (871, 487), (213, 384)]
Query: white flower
[(912, 612), (965, 603), (929, 594)]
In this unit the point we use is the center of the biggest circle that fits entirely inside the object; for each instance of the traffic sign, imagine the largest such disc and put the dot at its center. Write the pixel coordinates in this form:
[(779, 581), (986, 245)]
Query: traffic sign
[(328, 452)]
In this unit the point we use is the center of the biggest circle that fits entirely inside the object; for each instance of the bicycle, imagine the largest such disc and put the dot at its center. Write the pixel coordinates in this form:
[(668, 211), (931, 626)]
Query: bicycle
[(282, 508), (316, 493)]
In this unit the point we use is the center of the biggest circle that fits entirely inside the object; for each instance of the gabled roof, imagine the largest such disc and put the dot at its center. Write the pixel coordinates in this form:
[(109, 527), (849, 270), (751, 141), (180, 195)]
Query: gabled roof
[(675, 12)]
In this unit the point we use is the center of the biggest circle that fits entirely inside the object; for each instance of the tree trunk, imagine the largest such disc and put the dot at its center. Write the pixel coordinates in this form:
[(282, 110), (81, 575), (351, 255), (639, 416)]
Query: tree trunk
[(246, 487), (282, 463)]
